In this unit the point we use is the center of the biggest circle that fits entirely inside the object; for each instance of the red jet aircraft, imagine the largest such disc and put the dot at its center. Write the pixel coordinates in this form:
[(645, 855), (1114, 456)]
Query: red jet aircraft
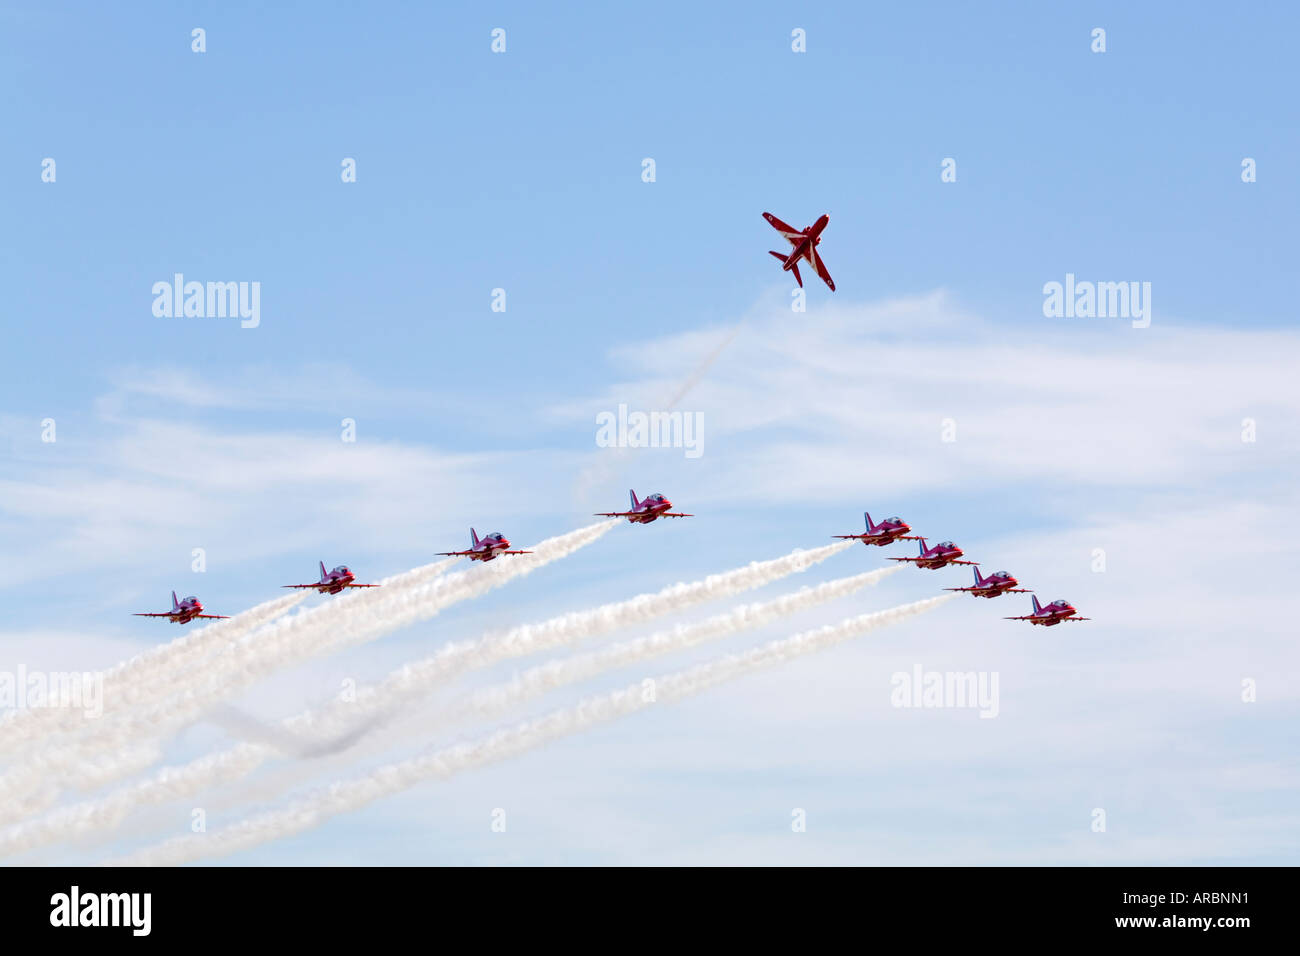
[(332, 582), (805, 243), (1058, 612), (183, 612), (887, 532), (646, 510), (999, 582), (485, 548), (940, 556)]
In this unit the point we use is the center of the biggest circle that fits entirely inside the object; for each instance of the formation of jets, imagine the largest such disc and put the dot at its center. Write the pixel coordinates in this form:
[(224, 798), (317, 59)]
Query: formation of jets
[(331, 582), (656, 506), (945, 553), (486, 548), (803, 243)]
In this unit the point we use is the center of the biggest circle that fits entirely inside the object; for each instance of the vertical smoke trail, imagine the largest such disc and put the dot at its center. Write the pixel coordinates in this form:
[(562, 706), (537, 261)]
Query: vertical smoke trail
[(345, 796), (614, 460)]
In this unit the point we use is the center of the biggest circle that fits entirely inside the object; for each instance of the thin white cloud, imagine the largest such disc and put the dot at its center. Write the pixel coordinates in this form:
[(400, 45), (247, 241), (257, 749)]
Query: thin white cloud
[(802, 406)]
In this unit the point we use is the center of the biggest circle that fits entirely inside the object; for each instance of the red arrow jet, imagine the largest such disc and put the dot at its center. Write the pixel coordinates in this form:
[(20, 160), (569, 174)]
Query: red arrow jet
[(805, 242), (887, 532), (485, 548), (1058, 612), (646, 510), (183, 612), (332, 582), (940, 556), (999, 582)]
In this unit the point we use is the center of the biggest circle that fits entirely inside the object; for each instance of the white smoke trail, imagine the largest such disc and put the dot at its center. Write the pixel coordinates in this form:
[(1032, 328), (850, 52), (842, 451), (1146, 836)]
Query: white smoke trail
[(418, 678), (222, 640), (418, 575), (132, 680), (613, 461), (23, 792), (124, 683), (415, 679), (346, 721), (345, 796), (23, 789), (363, 617), (546, 677)]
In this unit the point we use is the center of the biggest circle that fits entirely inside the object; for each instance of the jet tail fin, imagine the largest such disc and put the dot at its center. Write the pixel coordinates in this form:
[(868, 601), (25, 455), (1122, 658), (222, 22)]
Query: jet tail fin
[(1037, 607), (920, 543), (635, 504), (870, 524), (322, 571), (175, 603), (789, 262), (473, 537)]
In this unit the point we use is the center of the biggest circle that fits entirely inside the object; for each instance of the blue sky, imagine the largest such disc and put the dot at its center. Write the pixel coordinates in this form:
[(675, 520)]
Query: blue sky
[(522, 171)]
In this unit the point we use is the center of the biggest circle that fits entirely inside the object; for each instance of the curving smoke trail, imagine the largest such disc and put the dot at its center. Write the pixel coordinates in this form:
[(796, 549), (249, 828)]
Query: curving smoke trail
[(24, 791), (362, 617), (345, 796), (313, 731)]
